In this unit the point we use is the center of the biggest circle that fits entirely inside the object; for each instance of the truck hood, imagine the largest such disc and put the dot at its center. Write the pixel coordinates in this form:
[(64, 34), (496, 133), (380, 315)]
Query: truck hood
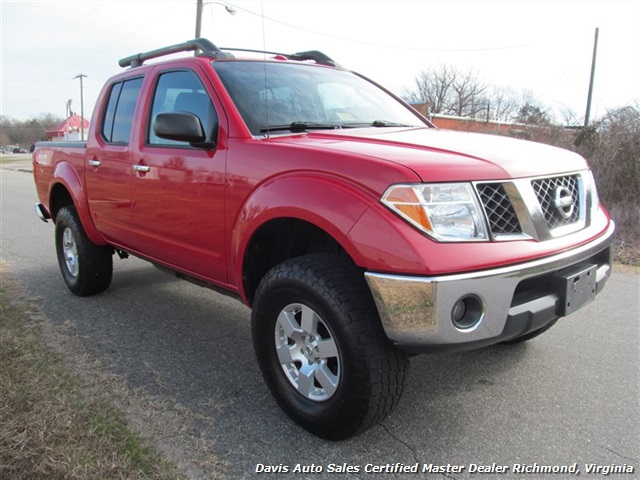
[(441, 155)]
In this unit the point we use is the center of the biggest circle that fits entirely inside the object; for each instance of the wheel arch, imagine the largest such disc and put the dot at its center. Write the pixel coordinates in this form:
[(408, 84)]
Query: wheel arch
[(67, 188), (294, 215), (281, 239)]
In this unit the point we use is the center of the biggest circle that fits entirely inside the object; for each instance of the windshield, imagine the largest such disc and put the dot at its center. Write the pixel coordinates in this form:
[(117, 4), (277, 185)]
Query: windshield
[(293, 97)]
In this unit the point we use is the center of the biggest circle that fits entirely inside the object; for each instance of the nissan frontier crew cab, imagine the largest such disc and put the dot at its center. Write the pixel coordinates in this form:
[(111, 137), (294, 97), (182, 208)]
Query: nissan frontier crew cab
[(357, 232)]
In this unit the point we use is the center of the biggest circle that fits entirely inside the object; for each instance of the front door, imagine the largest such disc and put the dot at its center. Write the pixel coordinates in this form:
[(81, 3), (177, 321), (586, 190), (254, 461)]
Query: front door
[(178, 189)]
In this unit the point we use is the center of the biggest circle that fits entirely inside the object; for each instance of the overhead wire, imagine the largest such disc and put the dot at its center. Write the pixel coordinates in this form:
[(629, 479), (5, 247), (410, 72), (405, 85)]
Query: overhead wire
[(375, 44), (56, 35), (53, 76), (263, 18)]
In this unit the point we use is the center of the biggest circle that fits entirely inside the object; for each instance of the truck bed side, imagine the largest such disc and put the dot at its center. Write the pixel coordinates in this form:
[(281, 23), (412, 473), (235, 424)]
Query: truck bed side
[(58, 170)]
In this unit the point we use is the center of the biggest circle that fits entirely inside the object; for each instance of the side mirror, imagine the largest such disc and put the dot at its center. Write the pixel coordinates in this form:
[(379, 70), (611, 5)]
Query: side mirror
[(181, 127)]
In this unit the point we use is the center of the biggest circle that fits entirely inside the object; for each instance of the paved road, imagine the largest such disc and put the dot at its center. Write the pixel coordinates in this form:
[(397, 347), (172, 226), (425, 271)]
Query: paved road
[(569, 396)]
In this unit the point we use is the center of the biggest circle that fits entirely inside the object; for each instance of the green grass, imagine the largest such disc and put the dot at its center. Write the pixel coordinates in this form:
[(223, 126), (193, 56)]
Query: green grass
[(14, 157), (48, 428)]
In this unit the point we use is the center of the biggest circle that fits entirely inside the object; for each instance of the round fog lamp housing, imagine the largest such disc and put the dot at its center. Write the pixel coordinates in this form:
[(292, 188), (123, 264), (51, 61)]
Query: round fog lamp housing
[(467, 312)]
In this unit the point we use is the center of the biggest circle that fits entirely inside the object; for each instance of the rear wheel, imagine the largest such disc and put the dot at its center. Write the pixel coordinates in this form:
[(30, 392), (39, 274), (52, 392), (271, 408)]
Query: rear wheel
[(321, 348), (86, 268)]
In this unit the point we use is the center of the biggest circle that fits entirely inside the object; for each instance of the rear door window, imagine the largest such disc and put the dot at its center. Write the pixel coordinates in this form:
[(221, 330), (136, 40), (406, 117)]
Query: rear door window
[(118, 118)]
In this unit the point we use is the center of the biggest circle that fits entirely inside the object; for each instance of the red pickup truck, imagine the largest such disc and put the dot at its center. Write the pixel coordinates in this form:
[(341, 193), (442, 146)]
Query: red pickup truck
[(357, 232)]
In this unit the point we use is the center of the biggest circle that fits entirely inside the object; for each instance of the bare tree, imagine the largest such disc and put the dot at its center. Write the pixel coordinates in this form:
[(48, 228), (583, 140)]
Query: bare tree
[(24, 133), (434, 87), (5, 128), (532, 111), (468, 100), (452, 91), (612, 146), (503, 104), (570, 117)]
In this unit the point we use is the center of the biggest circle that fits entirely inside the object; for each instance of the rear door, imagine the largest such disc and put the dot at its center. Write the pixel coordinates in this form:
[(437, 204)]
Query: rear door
[(178, 189), (108, 171)]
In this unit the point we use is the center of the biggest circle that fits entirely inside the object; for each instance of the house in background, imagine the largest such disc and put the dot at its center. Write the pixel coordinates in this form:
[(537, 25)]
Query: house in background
[(69, 130)]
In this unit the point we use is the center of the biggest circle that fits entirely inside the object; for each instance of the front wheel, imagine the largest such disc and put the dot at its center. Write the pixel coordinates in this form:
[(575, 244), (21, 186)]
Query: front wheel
[(321, 348), (86, 268)]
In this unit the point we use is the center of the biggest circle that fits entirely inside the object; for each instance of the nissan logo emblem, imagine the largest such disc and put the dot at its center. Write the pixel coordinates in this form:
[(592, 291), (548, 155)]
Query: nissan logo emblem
[(563, 201)]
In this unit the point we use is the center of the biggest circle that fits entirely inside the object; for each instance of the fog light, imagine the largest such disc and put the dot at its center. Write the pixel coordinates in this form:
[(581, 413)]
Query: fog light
[(467, 312), (459, 311)]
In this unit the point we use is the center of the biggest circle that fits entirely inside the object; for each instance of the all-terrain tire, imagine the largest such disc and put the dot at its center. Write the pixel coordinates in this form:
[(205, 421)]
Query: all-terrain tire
[(321, 347), (86, 268)]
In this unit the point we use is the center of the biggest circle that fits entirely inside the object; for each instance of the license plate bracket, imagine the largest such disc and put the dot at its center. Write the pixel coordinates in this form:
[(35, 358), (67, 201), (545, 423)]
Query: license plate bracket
[(577, 286)]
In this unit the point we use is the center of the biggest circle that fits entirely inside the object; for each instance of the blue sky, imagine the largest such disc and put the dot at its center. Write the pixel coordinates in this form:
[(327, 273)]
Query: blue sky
[(542, 46)]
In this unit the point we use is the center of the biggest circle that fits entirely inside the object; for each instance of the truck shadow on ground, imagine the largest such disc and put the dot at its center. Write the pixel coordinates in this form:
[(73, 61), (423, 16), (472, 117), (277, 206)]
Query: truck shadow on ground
[(194, 346)]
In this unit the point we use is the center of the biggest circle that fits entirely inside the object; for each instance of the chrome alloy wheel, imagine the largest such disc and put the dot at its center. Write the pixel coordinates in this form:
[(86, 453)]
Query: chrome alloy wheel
[(307, 352), (70, 252)]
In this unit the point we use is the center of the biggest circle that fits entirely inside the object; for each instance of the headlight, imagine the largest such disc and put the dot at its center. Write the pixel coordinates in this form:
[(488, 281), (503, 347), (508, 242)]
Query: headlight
[(447, 212)]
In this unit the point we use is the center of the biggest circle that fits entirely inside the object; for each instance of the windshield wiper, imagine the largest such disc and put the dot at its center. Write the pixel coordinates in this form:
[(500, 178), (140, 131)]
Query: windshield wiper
[(385, 123), (296, 127), (375, 123)]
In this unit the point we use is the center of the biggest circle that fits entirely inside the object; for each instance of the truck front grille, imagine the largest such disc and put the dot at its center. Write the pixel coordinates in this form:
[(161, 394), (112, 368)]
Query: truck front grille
[(499, 210), (550, 192), (539, 209)]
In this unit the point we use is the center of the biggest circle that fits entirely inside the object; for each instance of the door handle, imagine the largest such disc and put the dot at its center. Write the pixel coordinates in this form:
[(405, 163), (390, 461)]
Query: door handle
[(95, 163), (141, 168)]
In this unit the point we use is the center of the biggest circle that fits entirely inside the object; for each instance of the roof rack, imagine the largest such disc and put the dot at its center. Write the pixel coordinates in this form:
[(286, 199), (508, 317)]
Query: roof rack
[(319, 57), (206, 46)]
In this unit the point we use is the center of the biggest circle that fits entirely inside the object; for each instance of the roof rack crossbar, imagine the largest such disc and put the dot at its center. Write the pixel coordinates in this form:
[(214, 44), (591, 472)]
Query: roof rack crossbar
[(206, 46), (315, 55), (319, 57)]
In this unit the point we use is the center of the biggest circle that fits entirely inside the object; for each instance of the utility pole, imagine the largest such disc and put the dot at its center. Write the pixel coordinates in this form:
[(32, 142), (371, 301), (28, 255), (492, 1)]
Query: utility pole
[(593, 73), (68, 114), (199, 5), (198, 18), (81, 76)]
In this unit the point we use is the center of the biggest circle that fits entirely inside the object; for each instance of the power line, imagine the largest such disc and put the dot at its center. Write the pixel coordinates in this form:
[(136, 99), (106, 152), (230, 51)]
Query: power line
[(380, 45), (95, 54), (25, 53)]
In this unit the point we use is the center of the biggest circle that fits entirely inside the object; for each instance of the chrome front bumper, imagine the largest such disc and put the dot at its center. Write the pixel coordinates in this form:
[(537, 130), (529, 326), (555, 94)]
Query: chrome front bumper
[(416, 312)]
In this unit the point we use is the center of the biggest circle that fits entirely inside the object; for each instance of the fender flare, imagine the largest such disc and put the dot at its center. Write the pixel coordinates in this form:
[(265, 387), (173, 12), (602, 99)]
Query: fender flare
[(65, 175), (333, 204)]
